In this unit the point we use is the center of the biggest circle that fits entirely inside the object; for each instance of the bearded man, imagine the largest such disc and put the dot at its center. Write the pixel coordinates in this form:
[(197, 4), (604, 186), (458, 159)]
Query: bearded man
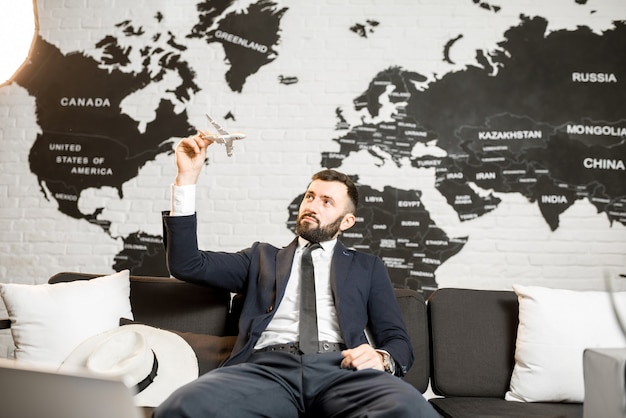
[(347, 364)]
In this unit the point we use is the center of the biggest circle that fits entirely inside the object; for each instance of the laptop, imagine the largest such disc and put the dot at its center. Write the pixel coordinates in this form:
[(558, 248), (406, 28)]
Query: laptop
[(28, 391)]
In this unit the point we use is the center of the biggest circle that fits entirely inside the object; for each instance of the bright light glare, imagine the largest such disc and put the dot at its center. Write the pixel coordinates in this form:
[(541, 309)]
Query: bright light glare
[(17, 28)]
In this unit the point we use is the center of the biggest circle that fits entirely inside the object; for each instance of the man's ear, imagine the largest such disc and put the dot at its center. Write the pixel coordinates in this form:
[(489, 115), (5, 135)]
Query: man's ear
[(348, 221)]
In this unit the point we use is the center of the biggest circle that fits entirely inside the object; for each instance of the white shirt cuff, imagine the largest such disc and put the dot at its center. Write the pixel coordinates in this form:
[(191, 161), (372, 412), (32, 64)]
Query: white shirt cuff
[(183, 200)]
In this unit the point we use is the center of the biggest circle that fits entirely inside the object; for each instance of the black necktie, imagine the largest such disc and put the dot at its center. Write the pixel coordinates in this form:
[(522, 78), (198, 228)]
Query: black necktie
[(308, 311)]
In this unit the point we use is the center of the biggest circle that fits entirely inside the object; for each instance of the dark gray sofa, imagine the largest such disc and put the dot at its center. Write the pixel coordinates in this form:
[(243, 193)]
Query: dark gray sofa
[(472, 337), (207, 320), (463, 340)]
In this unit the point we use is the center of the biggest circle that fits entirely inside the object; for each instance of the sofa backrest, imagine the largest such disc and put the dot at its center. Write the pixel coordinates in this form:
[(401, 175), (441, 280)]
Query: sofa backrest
[(171, 304), (472, 334)]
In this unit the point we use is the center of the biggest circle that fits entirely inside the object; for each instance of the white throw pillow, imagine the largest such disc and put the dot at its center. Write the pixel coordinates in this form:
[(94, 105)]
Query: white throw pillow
[(49, 320), (555, 326)]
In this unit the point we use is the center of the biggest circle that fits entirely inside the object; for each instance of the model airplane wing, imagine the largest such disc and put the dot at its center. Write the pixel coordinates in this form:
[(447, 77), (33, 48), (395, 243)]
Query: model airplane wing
[(217, 126)]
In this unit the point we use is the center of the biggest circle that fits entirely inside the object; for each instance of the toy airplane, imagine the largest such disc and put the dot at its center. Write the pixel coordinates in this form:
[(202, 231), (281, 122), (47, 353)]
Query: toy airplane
[(224, 137)]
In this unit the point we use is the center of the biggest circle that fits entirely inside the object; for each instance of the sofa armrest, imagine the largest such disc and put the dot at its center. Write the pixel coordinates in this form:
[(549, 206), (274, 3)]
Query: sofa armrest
[(413, 309)]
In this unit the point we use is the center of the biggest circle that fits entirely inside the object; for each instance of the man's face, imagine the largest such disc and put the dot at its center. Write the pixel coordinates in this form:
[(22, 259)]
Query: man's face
[(324, 211)]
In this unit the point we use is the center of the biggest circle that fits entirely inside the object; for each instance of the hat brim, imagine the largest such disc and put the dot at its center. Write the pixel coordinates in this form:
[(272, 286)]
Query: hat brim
[(177, 362)]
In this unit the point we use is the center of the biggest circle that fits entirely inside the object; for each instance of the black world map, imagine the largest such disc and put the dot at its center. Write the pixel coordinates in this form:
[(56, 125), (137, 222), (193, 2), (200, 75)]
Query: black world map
[(532, 117)]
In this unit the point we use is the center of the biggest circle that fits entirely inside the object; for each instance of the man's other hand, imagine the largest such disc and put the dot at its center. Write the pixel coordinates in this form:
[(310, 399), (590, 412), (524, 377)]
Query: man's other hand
[(362, 357)]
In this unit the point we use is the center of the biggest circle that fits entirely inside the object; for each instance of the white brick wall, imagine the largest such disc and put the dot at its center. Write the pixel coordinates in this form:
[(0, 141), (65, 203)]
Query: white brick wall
[(244, 198)]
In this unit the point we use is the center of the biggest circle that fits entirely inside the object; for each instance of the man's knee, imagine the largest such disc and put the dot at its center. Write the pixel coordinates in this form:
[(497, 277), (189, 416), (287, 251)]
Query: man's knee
[(411, 404), (184, 403)]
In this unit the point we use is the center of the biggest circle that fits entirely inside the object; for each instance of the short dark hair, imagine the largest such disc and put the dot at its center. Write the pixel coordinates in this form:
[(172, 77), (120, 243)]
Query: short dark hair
[(333, 175)]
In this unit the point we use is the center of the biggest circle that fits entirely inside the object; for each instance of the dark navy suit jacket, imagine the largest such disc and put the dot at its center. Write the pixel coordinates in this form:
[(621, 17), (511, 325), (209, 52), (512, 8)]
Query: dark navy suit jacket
[(360, 284)]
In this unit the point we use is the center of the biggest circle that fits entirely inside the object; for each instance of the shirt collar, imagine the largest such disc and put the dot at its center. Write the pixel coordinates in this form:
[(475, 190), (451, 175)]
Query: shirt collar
[(327, 246)]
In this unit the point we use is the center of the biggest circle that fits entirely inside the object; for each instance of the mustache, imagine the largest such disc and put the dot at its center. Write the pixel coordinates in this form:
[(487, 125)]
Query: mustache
[(309, 214)]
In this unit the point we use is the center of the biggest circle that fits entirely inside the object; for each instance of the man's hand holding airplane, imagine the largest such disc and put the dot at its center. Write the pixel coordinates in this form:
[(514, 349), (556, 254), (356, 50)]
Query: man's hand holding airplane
[(190, 156), (191, 152)]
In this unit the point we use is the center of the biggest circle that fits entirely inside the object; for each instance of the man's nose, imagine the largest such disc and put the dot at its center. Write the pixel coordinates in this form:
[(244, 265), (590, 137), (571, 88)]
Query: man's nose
[(310, 206), (314, 205)]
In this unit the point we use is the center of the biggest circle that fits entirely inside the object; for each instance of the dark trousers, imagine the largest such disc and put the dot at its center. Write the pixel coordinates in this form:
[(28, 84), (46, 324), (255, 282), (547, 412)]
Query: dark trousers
[(279, 384)]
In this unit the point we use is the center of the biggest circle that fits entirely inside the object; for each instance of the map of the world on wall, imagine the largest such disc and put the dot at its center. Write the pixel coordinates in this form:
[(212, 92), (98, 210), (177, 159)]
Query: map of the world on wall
[(533, 117)]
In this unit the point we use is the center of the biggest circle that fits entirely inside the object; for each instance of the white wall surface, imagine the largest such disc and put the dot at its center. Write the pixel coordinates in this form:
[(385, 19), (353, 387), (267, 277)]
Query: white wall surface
[(244, 198)]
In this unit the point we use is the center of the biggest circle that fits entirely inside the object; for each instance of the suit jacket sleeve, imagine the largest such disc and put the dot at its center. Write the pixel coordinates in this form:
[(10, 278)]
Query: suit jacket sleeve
[(385, 321), (186, 262), (364, 299)]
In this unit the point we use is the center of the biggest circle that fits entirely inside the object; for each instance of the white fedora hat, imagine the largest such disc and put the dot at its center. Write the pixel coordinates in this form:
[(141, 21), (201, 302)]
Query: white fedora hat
[(151, 361)]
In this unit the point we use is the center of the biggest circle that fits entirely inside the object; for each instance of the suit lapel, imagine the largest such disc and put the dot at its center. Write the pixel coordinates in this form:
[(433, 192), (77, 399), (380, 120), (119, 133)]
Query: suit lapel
[(284, 260), (340, 265)]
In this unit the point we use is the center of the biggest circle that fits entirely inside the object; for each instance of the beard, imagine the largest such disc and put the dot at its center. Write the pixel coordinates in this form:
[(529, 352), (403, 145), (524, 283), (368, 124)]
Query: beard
[(314, 233)]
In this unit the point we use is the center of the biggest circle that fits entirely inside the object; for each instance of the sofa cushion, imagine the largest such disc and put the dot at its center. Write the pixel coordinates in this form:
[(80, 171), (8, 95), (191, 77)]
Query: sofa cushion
[(473, 407), (555, 327), (472, 341), (49, 321)]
